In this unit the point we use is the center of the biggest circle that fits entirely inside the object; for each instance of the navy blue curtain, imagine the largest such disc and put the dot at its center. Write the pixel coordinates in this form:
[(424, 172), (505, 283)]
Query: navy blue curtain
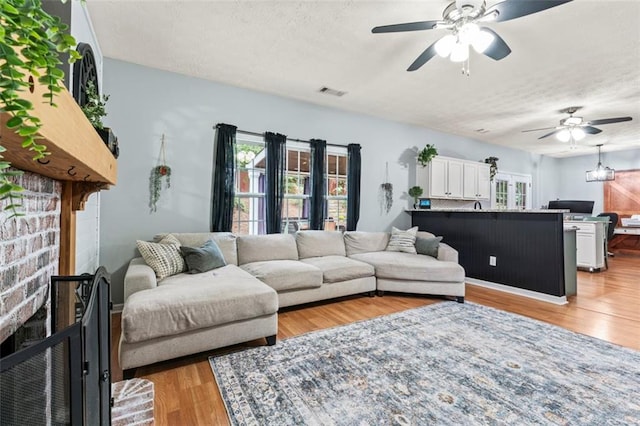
[(354, 168), (276, 148), (318, 185), (223, 187)]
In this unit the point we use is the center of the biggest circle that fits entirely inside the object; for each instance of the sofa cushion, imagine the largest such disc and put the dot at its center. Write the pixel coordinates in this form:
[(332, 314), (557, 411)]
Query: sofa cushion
[(188, 302), (320, 243), (285, 274), (163, 257), (225, 240), (364, 242), (339, 268), (415, 267), (202, 259), (403, 241), (428, 246), (260, 248)]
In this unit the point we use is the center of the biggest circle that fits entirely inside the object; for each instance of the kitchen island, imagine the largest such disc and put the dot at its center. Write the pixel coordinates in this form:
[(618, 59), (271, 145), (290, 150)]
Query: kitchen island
[(521, 251)]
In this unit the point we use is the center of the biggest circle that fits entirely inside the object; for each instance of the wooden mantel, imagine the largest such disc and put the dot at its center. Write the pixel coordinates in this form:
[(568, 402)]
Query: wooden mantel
[(78, 158)]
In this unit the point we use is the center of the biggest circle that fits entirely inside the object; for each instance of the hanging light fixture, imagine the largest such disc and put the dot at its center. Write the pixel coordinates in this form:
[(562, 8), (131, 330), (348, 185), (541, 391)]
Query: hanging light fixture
[(600, 173)]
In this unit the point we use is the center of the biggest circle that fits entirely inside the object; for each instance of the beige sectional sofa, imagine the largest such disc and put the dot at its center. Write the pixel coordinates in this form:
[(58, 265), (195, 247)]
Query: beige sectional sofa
[(189, 313)]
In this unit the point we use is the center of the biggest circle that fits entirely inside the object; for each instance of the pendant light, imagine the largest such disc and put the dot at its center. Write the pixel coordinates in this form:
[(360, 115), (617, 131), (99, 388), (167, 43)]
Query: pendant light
[(600, 173)]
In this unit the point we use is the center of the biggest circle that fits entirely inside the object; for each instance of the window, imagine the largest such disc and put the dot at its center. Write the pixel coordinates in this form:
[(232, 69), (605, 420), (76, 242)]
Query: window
[(511, 191), (248, 212)]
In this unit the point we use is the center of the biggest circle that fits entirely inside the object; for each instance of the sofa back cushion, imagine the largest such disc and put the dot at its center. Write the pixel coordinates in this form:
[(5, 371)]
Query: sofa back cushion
[(365, 242), (320, 243), (225, 240), (260, 248)]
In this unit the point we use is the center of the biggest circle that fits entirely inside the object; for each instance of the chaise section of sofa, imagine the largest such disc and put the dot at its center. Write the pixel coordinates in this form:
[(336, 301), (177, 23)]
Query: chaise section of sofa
[(189, 313)]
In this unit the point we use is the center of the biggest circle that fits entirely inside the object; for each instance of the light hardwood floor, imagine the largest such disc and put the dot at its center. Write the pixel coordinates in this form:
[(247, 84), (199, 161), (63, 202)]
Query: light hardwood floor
[(607, 306)]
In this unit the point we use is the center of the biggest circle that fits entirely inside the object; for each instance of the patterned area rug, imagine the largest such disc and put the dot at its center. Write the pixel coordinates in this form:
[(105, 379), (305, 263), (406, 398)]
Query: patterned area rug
[(446, 363)]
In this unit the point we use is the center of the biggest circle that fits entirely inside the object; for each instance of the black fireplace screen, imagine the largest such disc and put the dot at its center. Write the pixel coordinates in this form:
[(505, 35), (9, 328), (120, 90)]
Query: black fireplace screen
[(65, 378)]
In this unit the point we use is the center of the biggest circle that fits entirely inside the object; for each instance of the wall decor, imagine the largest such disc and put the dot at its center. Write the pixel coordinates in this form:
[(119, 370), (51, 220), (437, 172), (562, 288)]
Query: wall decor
[(158, 173), (493, 169)]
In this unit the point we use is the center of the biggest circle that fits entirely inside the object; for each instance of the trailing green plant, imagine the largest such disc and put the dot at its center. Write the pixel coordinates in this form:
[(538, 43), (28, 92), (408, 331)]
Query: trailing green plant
[(415, 192), (158, 173), (493, 169), (94, 108), (426, 154), (386, 196), (30, 42)]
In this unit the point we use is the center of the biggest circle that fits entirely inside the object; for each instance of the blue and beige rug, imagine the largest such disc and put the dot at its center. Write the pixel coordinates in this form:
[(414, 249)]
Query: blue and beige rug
[(446, 363)]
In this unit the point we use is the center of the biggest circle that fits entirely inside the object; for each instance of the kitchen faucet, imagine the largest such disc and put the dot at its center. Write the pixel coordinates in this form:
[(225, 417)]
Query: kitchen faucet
[(477, 205)]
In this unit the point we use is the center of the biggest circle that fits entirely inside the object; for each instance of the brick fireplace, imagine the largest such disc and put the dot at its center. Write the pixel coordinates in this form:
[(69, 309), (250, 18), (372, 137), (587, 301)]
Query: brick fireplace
[(29, 253)]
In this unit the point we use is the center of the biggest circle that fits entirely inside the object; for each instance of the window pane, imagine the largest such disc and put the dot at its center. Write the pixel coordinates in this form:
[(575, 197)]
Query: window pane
[(501, 193)]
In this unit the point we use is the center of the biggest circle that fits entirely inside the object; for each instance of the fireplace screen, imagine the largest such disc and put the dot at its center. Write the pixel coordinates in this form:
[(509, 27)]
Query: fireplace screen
[(65, 378)]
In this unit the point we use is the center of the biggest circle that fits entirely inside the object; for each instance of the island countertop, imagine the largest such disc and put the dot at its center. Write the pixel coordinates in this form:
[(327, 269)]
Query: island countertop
[(461, 210)]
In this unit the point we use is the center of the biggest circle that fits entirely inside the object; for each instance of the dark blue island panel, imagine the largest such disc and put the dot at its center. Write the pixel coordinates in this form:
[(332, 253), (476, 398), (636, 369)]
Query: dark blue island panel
[(528, 246)]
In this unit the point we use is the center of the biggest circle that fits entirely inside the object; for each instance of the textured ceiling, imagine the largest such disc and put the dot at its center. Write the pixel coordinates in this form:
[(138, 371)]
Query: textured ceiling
[(583, 53)]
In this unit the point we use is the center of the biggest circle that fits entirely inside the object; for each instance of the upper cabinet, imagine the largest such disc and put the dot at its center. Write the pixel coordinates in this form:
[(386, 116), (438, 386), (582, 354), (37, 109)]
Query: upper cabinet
[(453, 178), (477, 182), (442, 178)]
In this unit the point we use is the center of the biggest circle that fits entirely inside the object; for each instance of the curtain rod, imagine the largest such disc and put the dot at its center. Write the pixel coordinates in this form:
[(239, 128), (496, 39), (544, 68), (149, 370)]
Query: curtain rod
[(246, 132)]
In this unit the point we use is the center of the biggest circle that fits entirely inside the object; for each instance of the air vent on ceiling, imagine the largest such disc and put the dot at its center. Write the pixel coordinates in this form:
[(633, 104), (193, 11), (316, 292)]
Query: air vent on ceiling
[(333, 92), (482, 130)]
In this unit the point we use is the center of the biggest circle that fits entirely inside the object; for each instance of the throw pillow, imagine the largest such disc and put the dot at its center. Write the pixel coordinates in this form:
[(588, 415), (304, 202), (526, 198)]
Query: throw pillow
[(163, 257), (203, 259), (428, 246), (403, 241)]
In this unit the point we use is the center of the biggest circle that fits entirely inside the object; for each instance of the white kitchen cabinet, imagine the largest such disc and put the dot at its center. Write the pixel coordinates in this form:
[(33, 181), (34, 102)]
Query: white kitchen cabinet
[(477, 182), (589, 243), (441, 178)]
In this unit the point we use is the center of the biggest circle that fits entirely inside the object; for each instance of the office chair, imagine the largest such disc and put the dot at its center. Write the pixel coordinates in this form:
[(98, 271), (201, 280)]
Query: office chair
[(613, 222)]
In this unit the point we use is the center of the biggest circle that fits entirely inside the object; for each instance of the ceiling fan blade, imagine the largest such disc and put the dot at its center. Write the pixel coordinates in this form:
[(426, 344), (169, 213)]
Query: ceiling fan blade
[(498, 49), (429, 53), (409, 26), (512, 9), (591, 130), (609, 121), (549, 134), (535, 130)]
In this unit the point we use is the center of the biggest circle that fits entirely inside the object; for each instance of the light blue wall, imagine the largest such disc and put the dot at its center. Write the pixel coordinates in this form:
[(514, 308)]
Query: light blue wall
[(572, 170), (146, 102)]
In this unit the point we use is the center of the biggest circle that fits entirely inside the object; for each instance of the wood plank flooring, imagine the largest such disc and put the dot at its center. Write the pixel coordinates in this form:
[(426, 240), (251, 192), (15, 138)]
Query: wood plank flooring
[(607, 306)]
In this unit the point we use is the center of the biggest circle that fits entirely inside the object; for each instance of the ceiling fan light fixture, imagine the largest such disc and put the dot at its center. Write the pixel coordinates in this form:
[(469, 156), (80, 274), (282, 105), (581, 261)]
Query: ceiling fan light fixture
[(563, 135), (482, 41), (444, 46), (577, 133), (468, 32), (460, 52)]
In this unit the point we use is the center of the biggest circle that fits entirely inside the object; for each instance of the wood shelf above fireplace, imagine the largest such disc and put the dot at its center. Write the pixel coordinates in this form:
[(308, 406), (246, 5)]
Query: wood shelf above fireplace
[(77, 151)]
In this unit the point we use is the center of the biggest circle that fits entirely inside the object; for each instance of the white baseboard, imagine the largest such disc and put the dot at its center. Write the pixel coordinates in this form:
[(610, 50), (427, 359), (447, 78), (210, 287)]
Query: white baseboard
[(557, 300), (117, 308)]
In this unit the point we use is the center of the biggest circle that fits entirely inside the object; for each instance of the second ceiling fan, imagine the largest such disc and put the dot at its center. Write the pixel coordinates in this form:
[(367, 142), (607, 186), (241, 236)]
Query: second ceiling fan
[(462, 18)]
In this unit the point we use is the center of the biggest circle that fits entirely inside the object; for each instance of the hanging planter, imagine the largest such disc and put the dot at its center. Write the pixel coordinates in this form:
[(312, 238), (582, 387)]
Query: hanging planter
[(158, 174), (386, 193), (426, 154)]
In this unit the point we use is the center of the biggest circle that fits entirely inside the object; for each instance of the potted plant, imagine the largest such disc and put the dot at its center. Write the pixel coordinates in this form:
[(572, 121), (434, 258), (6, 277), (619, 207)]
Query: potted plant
[(415, 192), (28, 28), (426, 154), (158, 173), (493, 169), (94, 110)]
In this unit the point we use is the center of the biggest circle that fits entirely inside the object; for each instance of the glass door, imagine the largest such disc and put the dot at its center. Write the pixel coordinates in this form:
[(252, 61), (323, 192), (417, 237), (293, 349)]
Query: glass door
[(511, 191)]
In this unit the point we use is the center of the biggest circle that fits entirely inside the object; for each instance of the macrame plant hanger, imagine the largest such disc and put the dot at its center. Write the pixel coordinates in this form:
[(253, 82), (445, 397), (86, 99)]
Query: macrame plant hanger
[(158, 173), (385, 196)]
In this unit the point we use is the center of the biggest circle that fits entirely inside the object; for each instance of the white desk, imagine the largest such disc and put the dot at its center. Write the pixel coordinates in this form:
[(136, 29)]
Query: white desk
[(627, 231), (590, 243)]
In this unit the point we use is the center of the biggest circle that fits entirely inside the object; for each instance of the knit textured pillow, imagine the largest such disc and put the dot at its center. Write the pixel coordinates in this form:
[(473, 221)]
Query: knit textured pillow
[(163, 257), (403, 241)]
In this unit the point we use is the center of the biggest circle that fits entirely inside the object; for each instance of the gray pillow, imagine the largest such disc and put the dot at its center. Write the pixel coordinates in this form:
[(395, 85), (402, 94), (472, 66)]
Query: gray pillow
[(428, 246), (203, 259)]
